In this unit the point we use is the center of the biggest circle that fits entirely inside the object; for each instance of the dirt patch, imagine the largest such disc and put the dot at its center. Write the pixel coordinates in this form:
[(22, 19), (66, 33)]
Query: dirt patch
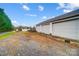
[(42, 38), (49, 42)]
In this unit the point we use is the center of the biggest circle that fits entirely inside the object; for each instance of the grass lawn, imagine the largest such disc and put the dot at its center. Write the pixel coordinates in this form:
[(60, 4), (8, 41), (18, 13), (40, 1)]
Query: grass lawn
[(6, 35)]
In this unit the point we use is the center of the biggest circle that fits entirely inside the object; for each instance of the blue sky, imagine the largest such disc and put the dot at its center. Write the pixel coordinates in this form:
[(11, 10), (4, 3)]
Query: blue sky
[(30, 14)]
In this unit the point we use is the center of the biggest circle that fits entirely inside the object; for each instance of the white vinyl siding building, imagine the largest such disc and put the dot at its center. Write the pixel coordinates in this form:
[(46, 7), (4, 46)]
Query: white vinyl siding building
[(66, 29), (45, 29), (66, 26)]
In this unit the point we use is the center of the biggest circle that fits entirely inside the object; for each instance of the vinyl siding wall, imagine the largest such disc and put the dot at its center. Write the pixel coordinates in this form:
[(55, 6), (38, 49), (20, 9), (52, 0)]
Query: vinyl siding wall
[(67, 29)]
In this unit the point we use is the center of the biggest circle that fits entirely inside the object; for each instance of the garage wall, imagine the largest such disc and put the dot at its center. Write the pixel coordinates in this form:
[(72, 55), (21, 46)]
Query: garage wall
[(67, 29), (45, 29), (77, 28), (38, 28)]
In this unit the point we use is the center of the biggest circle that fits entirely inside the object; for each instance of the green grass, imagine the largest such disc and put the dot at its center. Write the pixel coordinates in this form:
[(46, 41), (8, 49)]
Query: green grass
[(6, 35)]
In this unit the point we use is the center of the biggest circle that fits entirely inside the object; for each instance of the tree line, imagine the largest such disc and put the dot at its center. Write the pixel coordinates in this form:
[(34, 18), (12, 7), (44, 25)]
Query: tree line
[(5, 22)]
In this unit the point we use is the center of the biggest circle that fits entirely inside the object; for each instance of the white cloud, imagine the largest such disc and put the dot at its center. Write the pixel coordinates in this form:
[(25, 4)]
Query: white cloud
[(15, 23), (44, 17), (66, 11), (61, 5), (67, 7), (31, 15), (49, 17), (25, 7), (40, 8)]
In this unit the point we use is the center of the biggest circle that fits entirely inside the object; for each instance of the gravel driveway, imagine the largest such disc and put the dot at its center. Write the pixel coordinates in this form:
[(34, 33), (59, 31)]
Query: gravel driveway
[(20, 45)]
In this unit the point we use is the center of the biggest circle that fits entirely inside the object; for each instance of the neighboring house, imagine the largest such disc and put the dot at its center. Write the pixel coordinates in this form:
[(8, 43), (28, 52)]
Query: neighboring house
[(66, 26), (25, 29), (21, 28)]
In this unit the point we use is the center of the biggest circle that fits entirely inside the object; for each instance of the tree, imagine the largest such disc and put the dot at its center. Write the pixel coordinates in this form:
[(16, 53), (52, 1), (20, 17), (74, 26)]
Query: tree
[(5, 23)]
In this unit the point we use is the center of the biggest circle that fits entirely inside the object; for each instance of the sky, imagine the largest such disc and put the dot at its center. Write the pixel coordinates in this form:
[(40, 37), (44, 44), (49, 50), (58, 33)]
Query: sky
[(30, 14)]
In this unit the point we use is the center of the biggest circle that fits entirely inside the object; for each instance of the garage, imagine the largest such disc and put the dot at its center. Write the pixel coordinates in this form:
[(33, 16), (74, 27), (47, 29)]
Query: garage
[(65, 26)]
